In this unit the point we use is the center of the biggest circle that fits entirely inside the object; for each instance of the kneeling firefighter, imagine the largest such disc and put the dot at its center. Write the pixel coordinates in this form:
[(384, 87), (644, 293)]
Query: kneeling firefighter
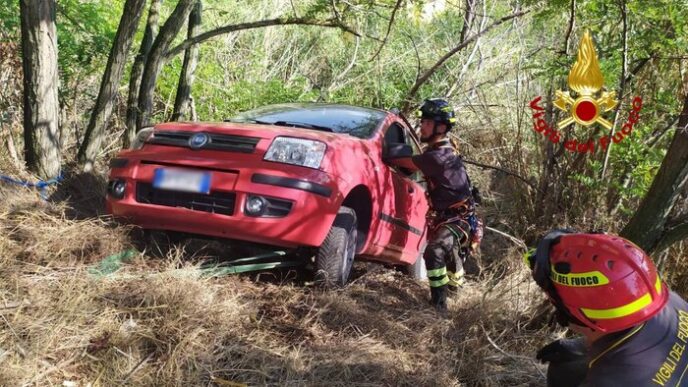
[(453, 225)]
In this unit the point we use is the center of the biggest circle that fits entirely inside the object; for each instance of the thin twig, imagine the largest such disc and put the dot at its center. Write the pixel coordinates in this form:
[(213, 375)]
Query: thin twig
[(293, 8), (572, 20), (413, 42), (337, 15), (514, 357), (389, 28), (622, 86), (510, 237), (12, 305), (137, 367), (477, 164), (52, 369), (347, 69)]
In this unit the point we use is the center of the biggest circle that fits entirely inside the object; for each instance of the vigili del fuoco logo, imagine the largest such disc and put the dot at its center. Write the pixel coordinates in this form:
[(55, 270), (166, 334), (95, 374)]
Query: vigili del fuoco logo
[(586, 106)]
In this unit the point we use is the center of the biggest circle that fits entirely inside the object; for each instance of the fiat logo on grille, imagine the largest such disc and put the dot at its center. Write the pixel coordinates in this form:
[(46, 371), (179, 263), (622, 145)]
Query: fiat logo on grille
[(198, 140)]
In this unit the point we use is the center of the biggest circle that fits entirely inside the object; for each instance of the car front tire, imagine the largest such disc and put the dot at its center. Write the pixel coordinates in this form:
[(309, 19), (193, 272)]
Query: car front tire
[(417, 270), (336, 255)]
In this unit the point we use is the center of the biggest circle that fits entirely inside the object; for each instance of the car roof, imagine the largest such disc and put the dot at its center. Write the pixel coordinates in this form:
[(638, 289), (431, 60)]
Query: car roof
[(320, 106), (358, 121)]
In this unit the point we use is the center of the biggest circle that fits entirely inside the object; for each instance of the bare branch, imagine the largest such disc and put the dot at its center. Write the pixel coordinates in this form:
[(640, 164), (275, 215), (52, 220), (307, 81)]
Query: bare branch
[(348, 68), (523, 179), (510, 237), (293, 8), (672, 235), (337, 15), (331, 23), (517, 358), (389, 28), (476, 47), (469, 16), (572, 20), (641, 63), (622, 85), (657, 135), (415, 48), (423, 78)]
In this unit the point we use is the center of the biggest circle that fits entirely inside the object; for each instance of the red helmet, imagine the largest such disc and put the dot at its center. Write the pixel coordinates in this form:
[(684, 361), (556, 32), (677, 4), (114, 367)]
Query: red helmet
[(601, 281)]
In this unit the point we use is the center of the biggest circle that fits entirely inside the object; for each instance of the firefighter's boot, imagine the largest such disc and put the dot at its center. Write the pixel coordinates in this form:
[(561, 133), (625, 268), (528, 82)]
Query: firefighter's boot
[(439, 299), (456, 280)]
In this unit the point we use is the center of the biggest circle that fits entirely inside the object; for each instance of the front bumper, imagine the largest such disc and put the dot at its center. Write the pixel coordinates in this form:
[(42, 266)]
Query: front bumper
[(313, 195)]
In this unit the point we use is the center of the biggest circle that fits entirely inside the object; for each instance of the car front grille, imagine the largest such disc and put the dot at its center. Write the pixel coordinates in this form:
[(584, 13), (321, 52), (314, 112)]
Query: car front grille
[(221, 142), (215, 202)]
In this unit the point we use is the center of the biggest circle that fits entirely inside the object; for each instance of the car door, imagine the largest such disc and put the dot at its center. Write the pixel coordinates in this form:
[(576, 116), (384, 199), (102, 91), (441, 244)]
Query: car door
[(393, 198), (408, 213), (417, 211)]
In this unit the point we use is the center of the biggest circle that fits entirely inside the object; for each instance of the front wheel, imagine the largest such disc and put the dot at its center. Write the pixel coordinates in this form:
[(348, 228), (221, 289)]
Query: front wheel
[(336, 255)]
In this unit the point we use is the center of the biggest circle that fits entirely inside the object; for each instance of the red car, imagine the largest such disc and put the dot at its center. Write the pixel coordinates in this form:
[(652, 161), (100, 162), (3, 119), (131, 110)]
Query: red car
[(326, 177)]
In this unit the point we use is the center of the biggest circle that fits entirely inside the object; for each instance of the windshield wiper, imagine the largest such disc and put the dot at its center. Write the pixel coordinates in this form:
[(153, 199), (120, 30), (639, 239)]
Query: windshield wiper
[(303, 125), (251, 120), (285, 123)]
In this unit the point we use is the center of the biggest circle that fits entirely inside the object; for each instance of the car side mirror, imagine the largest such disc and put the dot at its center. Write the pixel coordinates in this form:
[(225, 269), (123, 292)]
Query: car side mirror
[(399, 155), (397, 151)]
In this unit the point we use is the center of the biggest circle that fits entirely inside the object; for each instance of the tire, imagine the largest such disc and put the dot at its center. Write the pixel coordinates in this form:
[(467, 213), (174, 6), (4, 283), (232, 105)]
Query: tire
[(417, 271), (335, 256)]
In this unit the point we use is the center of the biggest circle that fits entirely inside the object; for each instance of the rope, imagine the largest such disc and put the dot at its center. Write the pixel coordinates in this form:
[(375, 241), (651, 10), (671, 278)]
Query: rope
[(40, 184)]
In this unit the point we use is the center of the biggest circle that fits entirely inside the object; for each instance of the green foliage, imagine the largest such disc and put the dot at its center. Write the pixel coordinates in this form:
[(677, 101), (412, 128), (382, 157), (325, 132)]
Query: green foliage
[(243, 95), (589, 179), (9, 17), (85, 31)]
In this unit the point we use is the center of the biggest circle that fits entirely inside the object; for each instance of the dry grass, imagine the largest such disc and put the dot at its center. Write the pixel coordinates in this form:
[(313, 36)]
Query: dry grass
[(159, 323)]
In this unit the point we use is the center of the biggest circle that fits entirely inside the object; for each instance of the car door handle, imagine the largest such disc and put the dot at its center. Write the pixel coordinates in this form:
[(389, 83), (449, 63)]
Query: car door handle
[(410, 189)]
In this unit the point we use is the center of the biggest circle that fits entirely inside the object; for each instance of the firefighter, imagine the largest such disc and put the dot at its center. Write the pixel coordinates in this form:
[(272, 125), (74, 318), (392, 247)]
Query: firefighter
[(634, 328), (452, 208)]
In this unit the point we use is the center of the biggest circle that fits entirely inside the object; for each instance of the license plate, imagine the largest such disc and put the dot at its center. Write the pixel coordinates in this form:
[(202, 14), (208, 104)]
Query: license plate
[(181, 180)]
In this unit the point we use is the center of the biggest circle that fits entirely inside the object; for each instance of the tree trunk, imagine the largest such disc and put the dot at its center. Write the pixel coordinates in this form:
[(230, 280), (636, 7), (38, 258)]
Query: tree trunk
[(41, 106), (156, 58), (648, 227), (182, 100), (137, 70), (100, 116)]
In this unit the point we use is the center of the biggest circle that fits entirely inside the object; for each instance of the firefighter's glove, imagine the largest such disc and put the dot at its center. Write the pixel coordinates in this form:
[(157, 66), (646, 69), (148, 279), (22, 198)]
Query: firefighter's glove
[(562, 350)]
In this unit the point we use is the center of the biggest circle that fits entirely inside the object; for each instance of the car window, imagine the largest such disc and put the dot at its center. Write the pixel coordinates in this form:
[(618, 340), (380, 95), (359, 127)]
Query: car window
[(417, 175), (395, 134), (410, 141)]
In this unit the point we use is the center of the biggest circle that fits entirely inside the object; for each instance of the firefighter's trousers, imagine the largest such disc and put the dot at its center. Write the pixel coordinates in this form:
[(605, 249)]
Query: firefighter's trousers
[(444, 266)]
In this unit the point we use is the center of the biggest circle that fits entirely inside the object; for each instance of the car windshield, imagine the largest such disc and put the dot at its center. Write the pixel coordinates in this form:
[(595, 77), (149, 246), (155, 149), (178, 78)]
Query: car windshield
[(356, 121)]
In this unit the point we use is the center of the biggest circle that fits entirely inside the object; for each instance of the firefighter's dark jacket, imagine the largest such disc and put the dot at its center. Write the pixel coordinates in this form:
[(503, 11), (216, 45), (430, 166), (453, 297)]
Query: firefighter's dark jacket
[(651, 354), (447, 179)]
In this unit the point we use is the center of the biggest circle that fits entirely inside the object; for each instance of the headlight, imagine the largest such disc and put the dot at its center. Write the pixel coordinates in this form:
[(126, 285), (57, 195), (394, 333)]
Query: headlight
[(141, 137), (297, 151)]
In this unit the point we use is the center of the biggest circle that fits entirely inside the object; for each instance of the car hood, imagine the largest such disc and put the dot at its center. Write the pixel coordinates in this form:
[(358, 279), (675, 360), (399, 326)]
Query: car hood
[(256, 130)]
